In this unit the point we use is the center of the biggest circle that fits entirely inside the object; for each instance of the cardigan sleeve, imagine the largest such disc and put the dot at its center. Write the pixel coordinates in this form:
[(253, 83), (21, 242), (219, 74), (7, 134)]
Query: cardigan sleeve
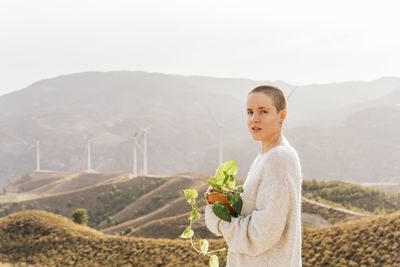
[(259, 231), (212, 221)]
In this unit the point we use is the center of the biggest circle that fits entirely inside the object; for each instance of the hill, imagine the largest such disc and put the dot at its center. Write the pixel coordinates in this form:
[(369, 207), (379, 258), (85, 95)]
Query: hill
[(117, 203), (371, 241), (42, 238), (165, 200), (351, 196), (33, 180), (101, 201), (57, 182), (108, 107)]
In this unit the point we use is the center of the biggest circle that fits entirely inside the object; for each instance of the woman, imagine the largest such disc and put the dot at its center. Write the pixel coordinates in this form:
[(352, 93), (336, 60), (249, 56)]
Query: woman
[(268, 232)]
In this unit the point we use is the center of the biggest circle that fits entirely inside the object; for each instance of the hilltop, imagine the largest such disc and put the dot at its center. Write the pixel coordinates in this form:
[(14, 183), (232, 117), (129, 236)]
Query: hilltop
[(42, 238), (111, 200), (352, 196), (373, 241), (154, 206)]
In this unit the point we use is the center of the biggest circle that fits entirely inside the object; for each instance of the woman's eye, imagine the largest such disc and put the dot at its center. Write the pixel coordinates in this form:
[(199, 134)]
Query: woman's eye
[(249, 112), (264, 111)]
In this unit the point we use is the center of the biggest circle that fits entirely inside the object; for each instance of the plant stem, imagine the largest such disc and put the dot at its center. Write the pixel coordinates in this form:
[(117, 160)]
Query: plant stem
[(201, 199), (218, 250)]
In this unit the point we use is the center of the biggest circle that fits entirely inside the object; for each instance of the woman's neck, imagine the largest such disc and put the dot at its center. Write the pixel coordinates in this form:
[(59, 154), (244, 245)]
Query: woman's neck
[(269, 144)]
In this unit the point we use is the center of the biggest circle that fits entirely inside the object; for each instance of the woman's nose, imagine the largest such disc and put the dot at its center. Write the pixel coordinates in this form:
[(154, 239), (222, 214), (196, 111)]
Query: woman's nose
[(254, 117)]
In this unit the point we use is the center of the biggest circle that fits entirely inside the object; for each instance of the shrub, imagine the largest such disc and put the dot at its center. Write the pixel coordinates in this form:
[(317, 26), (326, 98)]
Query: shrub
[(128, 230), (80, 216)]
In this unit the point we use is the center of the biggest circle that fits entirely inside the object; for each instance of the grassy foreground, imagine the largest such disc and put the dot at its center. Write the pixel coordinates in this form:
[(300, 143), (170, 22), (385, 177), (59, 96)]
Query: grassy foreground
[(44, 239), (371, 241)]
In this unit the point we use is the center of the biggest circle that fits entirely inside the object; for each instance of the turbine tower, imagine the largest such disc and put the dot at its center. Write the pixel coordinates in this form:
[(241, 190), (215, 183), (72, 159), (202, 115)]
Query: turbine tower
[(144, 149), (37, 156), (89, 170), (134, 171)]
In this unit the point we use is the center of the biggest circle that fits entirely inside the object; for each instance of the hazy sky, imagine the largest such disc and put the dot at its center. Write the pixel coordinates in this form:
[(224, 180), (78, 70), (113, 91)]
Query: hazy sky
[(300, 42)]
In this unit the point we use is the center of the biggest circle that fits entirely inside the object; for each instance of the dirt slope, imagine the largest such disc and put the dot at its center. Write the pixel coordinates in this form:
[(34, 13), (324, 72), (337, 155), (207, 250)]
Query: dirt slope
[(156, 199)]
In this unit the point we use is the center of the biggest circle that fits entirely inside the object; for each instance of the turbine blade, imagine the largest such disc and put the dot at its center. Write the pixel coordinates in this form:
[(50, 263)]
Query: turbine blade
[(291, 93)]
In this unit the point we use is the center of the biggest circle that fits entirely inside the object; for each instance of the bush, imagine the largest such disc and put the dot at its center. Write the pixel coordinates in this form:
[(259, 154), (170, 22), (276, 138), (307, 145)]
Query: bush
[(80, 216), (128, 230)]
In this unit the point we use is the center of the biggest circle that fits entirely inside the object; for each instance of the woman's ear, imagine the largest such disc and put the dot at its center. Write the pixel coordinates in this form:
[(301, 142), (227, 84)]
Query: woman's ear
[(282, 115)]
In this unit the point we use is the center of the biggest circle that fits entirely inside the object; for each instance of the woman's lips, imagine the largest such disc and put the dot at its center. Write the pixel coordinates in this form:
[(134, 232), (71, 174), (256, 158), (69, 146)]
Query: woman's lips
[(256, 129)]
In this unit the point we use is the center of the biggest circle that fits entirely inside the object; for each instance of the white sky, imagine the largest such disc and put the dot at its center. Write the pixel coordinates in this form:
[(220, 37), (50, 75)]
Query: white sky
[(300, 42)]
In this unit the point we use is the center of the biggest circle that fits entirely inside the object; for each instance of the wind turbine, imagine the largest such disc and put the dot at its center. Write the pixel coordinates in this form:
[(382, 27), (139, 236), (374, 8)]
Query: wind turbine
[(287, 99), (89, 158), (37, 153), (37, 156), (291, 93), (144, 130), (134, 167), (89, 154)]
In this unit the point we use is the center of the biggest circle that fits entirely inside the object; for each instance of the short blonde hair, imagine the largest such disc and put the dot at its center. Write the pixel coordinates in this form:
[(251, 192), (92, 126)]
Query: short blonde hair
[(276, 94)]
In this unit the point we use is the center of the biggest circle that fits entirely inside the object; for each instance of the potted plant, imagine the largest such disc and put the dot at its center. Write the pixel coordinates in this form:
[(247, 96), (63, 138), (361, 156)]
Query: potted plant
[(226, 202)]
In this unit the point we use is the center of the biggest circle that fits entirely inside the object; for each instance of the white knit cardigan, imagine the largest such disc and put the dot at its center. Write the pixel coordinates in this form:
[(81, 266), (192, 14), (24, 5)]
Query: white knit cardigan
[(268, 232)]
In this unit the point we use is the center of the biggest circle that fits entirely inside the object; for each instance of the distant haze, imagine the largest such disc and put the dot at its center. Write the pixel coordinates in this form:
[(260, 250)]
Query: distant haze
[(346, 131), (300, 42)]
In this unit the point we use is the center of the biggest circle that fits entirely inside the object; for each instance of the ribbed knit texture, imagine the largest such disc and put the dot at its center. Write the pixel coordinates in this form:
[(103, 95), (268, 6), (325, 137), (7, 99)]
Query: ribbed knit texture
[(268, 232)]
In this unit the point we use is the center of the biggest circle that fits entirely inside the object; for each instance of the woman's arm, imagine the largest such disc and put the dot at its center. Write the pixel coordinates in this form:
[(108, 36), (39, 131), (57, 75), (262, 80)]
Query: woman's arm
[(263, 228)]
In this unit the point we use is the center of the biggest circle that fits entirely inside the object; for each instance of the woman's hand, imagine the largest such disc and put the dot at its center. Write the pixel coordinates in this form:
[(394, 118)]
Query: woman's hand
[(212, 197)]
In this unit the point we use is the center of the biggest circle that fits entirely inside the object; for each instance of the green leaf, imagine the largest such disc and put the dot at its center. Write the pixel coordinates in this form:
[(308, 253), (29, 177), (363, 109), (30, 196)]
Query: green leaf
[(221, 211), (239, 189), (230, 182), (229, 167), (204, 246), (214, 261), (195, 215), (188, 233), (212, 181), (235, 201), (216, 182), (191, 195), (224, 175)]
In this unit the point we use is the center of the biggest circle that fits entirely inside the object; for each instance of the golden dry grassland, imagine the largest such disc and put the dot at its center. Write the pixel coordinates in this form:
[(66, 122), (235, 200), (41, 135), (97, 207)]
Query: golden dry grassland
[(44, 239)]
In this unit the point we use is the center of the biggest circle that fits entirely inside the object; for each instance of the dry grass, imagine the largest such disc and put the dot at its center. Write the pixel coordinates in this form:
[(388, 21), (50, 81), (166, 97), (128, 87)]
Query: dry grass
[(76, 181), (371, 241), (88, 198), (44, 239), (41, 238), (175, 207), (172, 227), (34, 179), (147, 203), (331, 215)]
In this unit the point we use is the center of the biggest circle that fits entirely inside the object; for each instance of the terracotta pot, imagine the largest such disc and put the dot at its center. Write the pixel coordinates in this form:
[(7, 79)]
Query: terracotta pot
[(211, 199)]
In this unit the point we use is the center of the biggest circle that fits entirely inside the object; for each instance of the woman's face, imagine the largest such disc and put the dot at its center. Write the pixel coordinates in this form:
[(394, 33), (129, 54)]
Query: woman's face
[(263, 120)]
